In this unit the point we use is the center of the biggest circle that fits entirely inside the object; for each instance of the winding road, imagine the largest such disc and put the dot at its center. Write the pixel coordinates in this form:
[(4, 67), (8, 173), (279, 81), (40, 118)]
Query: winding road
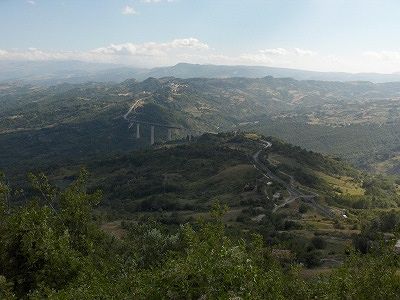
[(132, 111), (294, 193), (134, 106)]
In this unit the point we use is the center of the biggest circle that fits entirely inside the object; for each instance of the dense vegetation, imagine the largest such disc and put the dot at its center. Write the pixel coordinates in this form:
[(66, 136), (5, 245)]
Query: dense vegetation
[(53, 248), (190, 176), (285, 223), (149, 195), (372, 147)]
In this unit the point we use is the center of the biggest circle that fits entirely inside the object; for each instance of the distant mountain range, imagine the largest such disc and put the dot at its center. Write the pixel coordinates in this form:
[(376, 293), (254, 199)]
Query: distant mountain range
[(56, 72), (184, 70)]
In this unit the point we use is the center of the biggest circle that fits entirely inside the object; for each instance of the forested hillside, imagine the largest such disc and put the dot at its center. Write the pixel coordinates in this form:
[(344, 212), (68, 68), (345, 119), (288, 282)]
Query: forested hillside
[(149, 205), (227, 215), (357, 121)]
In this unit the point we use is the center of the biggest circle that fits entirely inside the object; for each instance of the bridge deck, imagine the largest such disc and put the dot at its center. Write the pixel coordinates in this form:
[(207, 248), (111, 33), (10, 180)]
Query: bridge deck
[(155, 124)]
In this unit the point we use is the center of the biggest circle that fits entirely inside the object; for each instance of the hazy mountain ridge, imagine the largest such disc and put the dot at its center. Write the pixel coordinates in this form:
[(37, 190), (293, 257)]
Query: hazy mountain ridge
[(56, 72)]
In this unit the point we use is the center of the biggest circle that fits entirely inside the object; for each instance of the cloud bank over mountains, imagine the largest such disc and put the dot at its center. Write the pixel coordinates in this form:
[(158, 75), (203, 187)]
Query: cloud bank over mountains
[(193, 50)]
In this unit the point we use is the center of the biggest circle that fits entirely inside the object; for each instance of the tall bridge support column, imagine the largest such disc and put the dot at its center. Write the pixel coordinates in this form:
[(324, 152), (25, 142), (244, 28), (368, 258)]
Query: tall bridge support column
[(188, 135), (152, 135), (138, 131), (169, 134)]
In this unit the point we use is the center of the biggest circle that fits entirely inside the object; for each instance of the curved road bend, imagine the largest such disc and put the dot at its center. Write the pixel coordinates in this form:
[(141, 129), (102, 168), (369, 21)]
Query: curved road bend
[(294, 193)]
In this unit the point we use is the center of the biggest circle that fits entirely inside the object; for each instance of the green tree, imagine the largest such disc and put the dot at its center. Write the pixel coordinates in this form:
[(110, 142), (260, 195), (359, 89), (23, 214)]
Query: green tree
[(46, 246), (371, 276), (214, 266)]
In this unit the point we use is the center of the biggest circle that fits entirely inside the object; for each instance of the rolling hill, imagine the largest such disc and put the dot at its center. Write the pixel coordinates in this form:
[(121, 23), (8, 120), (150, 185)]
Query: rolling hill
[(285, 193), (355, 120)]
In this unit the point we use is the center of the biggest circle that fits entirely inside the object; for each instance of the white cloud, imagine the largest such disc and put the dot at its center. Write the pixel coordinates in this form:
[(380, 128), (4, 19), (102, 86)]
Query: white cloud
[(152, 48), (144, 54), (129, 10), (190, 50), (31, 2), (304, 52), (274, 51), (192, 43), (193, 50)]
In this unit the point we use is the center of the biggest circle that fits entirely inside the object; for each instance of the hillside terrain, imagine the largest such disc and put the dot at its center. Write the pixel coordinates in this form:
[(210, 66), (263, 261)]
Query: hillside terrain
[(217, 186), (285, 193), (357, 120)]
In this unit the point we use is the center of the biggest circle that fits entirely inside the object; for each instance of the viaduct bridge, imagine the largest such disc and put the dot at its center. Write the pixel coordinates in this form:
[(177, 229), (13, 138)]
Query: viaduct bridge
[(153, 125)]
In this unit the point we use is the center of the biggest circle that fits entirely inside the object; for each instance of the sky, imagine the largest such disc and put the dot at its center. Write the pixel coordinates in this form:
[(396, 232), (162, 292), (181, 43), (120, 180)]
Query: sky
[(320, 35)]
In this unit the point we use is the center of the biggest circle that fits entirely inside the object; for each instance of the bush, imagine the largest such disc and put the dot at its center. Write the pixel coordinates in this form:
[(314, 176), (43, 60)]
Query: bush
[(312, 259), (318, 242), (303, 208)]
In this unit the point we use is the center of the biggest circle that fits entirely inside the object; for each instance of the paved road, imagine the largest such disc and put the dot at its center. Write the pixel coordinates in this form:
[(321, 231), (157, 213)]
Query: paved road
[(132, 111), (134, 106), (294, 193)]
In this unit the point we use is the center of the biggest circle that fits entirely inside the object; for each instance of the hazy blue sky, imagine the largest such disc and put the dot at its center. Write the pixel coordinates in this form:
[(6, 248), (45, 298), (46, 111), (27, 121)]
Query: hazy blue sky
[(347, 35)]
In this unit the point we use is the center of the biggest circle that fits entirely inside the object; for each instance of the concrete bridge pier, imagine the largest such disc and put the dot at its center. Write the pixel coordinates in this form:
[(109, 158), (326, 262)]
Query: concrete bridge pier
[(152, 135), (138, 131), (169, 134)]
